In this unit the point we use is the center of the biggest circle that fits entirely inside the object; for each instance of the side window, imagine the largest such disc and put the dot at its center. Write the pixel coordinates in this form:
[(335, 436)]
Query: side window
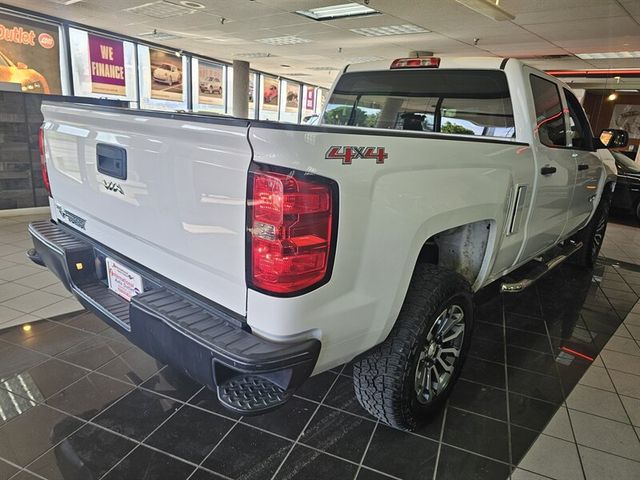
[(549, 116), (580, 133)]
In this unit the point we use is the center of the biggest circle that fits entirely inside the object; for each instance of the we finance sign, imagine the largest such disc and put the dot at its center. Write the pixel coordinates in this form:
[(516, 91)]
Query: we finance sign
[(107, 65)]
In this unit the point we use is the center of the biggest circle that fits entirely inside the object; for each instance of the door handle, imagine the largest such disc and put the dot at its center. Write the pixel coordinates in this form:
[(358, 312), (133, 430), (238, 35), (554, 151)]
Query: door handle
[(111, 160), (548, 170), (583, 166)]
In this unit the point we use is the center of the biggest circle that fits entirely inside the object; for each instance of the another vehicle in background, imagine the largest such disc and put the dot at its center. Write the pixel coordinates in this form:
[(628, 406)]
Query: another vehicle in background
[(627, 194), (30, 80)]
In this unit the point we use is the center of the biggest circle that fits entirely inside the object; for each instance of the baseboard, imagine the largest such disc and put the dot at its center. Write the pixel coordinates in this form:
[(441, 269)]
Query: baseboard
[(18, 212)]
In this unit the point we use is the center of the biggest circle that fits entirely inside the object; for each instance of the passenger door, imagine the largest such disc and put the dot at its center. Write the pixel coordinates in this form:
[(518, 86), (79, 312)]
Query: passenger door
[(555, 174), (589, 167)]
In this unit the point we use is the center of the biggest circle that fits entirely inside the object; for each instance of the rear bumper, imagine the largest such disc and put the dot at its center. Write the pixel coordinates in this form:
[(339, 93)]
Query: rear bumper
[(212, 345)]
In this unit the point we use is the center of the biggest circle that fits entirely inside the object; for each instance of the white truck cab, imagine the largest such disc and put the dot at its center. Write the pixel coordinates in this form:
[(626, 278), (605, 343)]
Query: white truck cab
[(251, 254)]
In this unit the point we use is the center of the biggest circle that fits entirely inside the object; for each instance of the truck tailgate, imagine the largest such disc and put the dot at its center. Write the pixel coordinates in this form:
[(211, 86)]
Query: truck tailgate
[(177, 206)]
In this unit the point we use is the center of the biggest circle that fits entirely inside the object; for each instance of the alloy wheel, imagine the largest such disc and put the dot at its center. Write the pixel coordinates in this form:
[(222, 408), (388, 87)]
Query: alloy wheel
[(439, 356)]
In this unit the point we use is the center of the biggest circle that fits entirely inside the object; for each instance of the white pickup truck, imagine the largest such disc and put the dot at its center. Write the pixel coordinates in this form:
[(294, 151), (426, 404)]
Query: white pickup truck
[(251, 255)]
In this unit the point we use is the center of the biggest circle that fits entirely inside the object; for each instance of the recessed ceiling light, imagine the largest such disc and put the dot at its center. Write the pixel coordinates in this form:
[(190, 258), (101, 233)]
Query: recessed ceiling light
[(254, 55), (488, 8), (364, 59), (159, 36), (389, 30), (605, 55), (162, 9), (287, 40), (337, 11), (194, 5)]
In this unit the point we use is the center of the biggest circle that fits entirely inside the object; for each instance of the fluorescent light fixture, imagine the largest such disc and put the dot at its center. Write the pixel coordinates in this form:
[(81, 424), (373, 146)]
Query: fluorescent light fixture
[(159, 36), (337, 11), (254, 55), (488, 8), (321, 68), (627, 90), (363, 59), (161, 9), (287, 40), (389, 30), (608, 55)]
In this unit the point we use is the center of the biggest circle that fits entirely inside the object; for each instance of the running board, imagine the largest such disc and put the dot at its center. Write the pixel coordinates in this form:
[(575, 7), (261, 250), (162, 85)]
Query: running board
[(540, 271)]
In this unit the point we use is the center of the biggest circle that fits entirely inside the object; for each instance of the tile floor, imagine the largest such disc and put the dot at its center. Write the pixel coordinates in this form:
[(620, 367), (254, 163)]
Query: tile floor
[(77, 401)]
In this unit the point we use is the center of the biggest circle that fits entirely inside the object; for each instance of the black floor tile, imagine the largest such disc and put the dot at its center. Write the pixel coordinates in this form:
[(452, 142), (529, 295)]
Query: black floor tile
[(17, 359), (482, 371), (288, 420), (190, 434), (401, 454), (34, 432), (133, 366), (306, 464), (14, 404), (45, 379), (89, 396), (532, 360), (145, 463), (317, 386), (529, 412), (366, 474), (25, 475), (528, 340), (488, 331), (201, 474), (477, 434), (87, 454), (84, 321), (486, 350), (56, 340), (535, 385), (455, 464), (137, 414), (93, 352), (343, 396), (7, 470), (480, 399), (524, 322), (248, 453), (521, 441), (208, 400), (21, 336), (338, 433), (432, 427), (172, 383)]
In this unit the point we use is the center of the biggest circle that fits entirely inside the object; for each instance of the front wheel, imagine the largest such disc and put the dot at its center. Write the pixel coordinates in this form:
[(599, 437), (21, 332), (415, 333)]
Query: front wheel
[(592, 236), (408, 377)]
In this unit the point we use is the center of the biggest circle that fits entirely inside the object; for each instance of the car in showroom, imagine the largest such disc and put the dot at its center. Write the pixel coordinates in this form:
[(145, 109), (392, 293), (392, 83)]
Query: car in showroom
[(627, 193), (211, 85), (30, 80), (295, 249), (167, 73)]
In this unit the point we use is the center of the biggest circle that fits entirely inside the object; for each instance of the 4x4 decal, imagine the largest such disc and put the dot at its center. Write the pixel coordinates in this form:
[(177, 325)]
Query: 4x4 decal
[(347, 154)]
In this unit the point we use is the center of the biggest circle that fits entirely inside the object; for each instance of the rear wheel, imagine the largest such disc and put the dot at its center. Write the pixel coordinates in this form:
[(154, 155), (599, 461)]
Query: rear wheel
[(592, 236), (408, 377)]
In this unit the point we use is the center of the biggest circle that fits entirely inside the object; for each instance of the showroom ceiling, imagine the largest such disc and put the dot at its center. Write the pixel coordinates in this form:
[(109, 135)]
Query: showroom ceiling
[(270, 35)]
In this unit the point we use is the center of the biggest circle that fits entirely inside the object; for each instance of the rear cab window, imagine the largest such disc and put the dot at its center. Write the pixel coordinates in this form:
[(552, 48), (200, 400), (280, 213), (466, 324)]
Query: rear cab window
[(468, 102), (550, 123)]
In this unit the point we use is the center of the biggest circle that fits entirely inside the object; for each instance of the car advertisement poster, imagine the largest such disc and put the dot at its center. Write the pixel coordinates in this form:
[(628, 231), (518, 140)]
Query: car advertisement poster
[(166, 75), (106, 57), (211, 81), (270, 93), (293, 97), (627, 117), (30, 55)]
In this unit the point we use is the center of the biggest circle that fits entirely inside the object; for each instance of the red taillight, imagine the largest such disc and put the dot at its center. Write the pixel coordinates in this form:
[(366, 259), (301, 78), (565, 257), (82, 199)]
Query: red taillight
[(43, 161), (291, 230), (430, 62)]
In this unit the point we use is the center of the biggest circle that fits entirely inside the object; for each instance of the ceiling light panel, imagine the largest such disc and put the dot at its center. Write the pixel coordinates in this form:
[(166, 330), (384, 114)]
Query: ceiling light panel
[(608, 55), (364, 59), (320, 68), (254, 55), (286, 40), (337, 11), (159, 36), (389, 30), (161, 9)]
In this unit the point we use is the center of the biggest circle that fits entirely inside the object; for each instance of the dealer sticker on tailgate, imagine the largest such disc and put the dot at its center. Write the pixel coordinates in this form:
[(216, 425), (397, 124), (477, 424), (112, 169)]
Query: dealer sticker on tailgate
[(122, 280)]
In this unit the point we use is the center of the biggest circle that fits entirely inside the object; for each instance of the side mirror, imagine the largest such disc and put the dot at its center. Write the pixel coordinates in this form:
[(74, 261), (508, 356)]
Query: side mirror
[(22, 66), (613, 138)]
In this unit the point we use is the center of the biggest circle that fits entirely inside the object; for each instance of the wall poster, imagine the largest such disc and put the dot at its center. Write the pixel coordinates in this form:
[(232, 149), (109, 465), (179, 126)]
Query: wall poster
[(293, 97), (270, 93), (166, 75), (211, 83), (627, 117), (106, 57), (30, 54)]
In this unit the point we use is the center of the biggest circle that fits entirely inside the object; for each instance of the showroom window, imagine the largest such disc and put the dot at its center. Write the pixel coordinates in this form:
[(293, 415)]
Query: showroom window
[(444, 101), (162, 79), (549, 115), (580, 134), (102, 67)]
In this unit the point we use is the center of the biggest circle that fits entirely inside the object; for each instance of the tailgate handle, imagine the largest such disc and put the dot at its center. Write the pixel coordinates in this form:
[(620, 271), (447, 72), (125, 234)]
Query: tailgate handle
[(112, 160)]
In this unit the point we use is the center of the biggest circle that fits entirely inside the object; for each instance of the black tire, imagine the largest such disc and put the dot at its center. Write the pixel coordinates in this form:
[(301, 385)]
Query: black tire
[(385, 379), (638, 211), (592, 236)]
